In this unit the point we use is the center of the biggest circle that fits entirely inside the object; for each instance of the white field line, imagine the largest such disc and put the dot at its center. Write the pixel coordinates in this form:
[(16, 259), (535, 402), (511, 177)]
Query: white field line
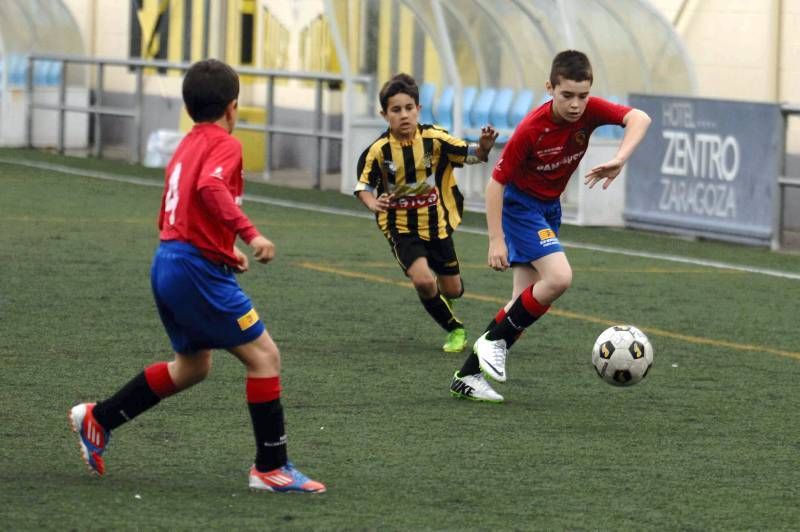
[(356, 214)]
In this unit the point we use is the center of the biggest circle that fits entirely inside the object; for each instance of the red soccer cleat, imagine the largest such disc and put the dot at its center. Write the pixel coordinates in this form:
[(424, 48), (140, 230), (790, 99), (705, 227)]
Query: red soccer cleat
[(93, 438)]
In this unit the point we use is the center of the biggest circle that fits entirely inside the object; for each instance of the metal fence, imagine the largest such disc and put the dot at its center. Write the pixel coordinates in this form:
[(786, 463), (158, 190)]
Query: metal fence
[(96, 108)]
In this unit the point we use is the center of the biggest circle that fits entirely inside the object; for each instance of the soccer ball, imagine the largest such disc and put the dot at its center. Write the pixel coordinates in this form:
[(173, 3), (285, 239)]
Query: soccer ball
[(622, 355)]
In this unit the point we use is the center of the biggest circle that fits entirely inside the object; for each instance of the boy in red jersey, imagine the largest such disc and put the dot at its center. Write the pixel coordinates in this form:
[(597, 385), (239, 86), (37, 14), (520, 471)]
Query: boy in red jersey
[(199, 300), (523, 211)]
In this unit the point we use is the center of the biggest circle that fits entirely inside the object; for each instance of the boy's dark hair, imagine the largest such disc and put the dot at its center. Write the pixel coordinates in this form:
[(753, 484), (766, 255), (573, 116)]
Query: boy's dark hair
[(570, 64), (398, 83), (208, 87)]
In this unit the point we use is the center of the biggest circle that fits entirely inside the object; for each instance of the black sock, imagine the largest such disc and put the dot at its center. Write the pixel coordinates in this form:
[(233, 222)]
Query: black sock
[(472, 365), (441, 312), (513, 340), (270, 434), (517, 319), (510, 342), (130, 401)]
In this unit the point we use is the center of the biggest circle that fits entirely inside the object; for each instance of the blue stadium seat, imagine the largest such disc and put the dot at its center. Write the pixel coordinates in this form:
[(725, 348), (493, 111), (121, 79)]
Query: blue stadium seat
[(10, 66), (444, 109), (499, 114), (40, 69), (54, 73), (604, 132), (467, 101), (480, 111), (426, 94), (521, 106), (609, 131), (17, 69)]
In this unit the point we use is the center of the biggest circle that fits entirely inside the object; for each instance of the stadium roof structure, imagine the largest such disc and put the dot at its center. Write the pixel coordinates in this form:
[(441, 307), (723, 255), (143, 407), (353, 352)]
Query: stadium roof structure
[(37, 26), (509, 44)]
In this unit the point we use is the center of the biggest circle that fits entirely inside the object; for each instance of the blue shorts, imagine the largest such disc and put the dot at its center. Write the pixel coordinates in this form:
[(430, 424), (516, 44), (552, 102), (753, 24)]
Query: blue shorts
[(530, 226), (200, 303)]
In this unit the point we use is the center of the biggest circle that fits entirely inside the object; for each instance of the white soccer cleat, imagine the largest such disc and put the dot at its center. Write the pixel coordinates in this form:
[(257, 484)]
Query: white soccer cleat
[(492, 357), (474, 387)]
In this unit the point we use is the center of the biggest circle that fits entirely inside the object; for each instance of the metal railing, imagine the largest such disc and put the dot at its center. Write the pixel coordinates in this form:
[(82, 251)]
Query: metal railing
[(784, 181), (136, 113)]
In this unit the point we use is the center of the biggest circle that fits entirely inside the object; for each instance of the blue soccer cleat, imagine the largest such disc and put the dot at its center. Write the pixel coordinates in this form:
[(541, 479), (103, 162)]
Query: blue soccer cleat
[(285, 479)]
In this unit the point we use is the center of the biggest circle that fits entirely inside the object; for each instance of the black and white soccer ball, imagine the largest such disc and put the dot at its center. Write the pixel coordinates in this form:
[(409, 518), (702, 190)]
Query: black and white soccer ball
[(622, 355)]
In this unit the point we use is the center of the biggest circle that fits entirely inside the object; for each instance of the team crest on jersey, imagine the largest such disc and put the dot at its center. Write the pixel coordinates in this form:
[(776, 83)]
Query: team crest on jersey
[(427, 160), (580, 138), (390, 167)]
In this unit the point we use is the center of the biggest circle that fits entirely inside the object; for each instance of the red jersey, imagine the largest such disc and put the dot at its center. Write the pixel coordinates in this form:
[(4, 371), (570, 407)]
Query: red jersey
[(202, 193), (541, 155)]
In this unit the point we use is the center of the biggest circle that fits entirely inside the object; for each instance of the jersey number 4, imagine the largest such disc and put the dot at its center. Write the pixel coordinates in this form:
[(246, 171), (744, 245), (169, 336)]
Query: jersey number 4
[(171, 201)]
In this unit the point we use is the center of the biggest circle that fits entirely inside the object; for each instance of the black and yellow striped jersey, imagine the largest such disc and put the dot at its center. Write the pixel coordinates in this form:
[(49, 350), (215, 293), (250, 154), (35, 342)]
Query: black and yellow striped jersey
[(419, 173)]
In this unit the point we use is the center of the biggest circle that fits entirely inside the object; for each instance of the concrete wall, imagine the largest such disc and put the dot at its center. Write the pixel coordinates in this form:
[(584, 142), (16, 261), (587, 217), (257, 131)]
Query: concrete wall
[(746, 50), (742, 49)]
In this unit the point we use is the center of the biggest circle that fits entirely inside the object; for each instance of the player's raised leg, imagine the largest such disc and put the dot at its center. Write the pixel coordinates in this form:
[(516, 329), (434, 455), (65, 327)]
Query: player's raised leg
[(94, 422), (272, 470)]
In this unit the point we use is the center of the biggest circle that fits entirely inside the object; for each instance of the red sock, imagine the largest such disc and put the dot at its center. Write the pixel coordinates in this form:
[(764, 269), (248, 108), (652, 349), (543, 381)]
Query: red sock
[(159, 381), (263, 389), (523, 312), (530, 303)]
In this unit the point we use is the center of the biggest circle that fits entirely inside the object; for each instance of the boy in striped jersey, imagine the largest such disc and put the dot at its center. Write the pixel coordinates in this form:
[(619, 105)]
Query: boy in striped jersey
[(406, 178)]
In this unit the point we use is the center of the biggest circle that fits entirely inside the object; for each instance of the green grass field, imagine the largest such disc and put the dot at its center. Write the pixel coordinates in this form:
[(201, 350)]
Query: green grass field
[(710, 440)]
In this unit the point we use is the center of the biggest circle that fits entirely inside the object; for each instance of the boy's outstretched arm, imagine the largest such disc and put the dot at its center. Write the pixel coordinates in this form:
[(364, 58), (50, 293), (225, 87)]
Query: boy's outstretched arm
[(479, 152), (636, 123), (486, 142)]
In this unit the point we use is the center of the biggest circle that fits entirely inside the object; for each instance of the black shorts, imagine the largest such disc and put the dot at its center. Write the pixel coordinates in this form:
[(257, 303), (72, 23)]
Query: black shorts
[(441, 254)]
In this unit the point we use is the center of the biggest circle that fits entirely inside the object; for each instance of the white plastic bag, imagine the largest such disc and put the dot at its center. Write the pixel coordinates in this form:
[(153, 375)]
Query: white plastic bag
[(161, 145)]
